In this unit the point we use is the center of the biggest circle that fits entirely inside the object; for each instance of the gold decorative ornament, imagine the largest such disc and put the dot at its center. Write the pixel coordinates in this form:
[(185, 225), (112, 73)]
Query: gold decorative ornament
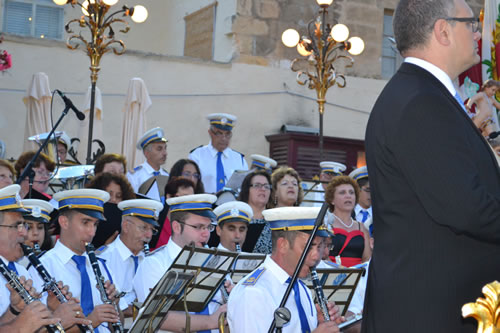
[(486, 310)]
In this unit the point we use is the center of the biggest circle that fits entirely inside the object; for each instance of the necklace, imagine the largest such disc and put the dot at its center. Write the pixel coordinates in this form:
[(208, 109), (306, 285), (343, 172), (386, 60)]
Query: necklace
[(340, 220)]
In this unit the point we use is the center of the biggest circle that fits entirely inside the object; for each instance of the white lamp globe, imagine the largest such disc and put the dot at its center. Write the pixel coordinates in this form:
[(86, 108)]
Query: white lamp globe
[(110, 2), (140, 14), (339, 32), (60, 2), (357, 45), (301, 47), (290, 37)]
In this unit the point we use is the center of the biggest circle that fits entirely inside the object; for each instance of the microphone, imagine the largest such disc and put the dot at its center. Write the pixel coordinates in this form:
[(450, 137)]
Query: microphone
[(80, 115)]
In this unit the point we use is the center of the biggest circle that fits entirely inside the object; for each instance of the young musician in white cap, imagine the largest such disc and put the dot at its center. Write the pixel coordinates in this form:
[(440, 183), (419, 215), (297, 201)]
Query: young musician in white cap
[(216, 160), (261, 162), (144, 178), (328, 171), (125, 254), (79, 213), (363, 209), (233, 218), (191, 219), (253, 301)]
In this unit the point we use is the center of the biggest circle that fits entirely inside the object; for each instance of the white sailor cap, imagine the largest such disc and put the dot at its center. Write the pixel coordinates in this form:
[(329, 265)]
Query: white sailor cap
[(38, 210), (233, 211), (10, 201), (153, 135), (65, 140), (263, 163), (294, 219), (359, 173), (199, 204), (87, 201), (222, 121), (332, 167), (144, 209)]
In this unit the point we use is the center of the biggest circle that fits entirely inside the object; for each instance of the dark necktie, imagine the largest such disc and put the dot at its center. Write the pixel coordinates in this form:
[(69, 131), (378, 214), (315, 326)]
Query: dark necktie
[(220, 172), (86, 291), (304, 324), (12, 267), (136, 262), (365, 215)]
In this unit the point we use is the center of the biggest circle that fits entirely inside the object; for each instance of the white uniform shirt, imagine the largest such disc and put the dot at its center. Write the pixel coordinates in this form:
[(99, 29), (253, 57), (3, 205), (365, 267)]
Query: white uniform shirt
[(358, 299), (251, 307), (359, 215), (153, 268), (119, 261), (206, 158), (142, 173), (4, 291), (61, 267)]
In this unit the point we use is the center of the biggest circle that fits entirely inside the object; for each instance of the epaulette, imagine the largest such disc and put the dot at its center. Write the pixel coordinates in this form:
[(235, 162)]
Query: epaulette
[(100, 250), (134, 170), (252, 279), (38, 256), (157, 250), (242, 155), (195, 148), (166, 171)]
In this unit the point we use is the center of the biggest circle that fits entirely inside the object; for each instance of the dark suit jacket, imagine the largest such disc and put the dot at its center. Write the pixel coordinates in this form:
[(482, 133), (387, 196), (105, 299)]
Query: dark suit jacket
[(436, 209)]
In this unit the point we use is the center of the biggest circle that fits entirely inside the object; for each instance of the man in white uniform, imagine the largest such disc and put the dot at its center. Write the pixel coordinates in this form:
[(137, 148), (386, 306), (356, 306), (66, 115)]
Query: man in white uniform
[(216, 160), (363, 209), (328, 171), (253, 301), (233, 218), (126, 253), (150, 178)]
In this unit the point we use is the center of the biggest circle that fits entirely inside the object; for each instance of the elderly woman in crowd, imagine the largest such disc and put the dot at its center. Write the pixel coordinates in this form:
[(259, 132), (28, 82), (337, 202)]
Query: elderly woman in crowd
[(286, 188), (187, 168), (43, 168), (351, 240), (256, 192), (7, 173), (112, 163)]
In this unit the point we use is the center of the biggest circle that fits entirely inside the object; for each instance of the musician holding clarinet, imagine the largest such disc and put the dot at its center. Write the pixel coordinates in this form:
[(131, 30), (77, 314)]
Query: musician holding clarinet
[(254, 299), (124, 255), (79, 213), (233, 218)]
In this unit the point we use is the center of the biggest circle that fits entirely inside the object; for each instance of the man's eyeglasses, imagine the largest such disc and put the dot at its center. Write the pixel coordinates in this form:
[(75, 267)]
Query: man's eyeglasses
[(209, 227), (144, 228), (473, 21), (260, 186), (221, 134), (188, 174), (21, 226)]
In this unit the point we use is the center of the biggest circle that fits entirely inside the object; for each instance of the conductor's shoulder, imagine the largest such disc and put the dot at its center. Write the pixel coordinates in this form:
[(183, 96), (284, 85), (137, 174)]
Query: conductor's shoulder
[(192, 150), (254, 277)]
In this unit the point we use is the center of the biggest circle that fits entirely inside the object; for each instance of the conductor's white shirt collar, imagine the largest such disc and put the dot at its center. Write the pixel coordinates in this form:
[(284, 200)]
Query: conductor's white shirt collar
[(434, 70)]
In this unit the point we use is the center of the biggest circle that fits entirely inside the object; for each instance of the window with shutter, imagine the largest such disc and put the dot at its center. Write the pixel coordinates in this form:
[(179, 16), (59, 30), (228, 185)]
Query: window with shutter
[(36, 18)]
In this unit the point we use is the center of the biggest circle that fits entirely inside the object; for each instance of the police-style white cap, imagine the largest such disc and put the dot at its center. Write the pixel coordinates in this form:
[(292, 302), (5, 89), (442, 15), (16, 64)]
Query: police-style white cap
[(333, 167), (233, 211), (263, 163), (65, 140), (199, 204), (294, 219), (144, 209), (359, 173), (153, 135), (223, 121), (38, 210), (88, 201), (10, 201)]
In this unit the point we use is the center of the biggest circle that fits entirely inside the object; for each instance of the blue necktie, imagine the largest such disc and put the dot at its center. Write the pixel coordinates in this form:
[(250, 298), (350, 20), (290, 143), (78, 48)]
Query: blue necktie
[(12, 267), (220, 172), (459, 100), (156, 173), (304, 324), (365, 215), (136, 262), (86, 292)]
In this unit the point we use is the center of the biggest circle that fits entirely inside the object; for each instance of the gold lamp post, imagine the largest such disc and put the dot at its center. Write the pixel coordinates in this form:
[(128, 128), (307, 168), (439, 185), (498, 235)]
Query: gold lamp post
[(99, 38), (322, 47)]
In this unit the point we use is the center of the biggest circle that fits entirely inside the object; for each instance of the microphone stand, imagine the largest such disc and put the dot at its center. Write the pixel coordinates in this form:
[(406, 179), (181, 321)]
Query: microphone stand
[(282, 314), (28, 170)]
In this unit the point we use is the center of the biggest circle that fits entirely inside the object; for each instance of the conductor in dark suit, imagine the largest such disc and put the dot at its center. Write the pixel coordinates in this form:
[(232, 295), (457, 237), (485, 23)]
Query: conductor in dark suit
[(434, 180)]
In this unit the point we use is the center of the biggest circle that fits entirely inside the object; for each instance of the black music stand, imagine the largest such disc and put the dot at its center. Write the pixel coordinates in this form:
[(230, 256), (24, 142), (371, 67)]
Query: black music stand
[(245, 264)]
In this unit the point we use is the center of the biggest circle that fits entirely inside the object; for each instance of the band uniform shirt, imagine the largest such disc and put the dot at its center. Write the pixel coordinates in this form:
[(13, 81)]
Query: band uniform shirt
[(142, 173), (251, 306), (58, 262), (206, 158), (358, 214), (119, 261), (4, 291)]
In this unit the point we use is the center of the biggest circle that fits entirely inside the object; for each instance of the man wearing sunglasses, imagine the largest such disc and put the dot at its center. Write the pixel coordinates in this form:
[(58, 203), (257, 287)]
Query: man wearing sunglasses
[(435, 183), (191, 219), (125, 254)]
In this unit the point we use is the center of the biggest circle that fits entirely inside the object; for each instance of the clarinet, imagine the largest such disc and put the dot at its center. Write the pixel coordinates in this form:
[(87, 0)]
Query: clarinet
[(36, 249), (50, 282), (223, 290), (238, 247), (146, 249), (116, 327), (14, 282), (319, 294)]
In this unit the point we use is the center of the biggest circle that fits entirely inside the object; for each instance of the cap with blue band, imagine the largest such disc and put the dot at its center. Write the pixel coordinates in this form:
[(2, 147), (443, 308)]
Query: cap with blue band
[(222, 121), (233, 211), (144, 209), (38, 210), (294, 219), (199, 204), (87, 201), (10, 200)]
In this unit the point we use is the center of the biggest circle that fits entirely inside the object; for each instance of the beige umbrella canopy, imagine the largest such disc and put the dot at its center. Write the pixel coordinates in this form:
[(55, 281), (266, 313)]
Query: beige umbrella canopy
[(37, 101), (134, 121), (83, 129)]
